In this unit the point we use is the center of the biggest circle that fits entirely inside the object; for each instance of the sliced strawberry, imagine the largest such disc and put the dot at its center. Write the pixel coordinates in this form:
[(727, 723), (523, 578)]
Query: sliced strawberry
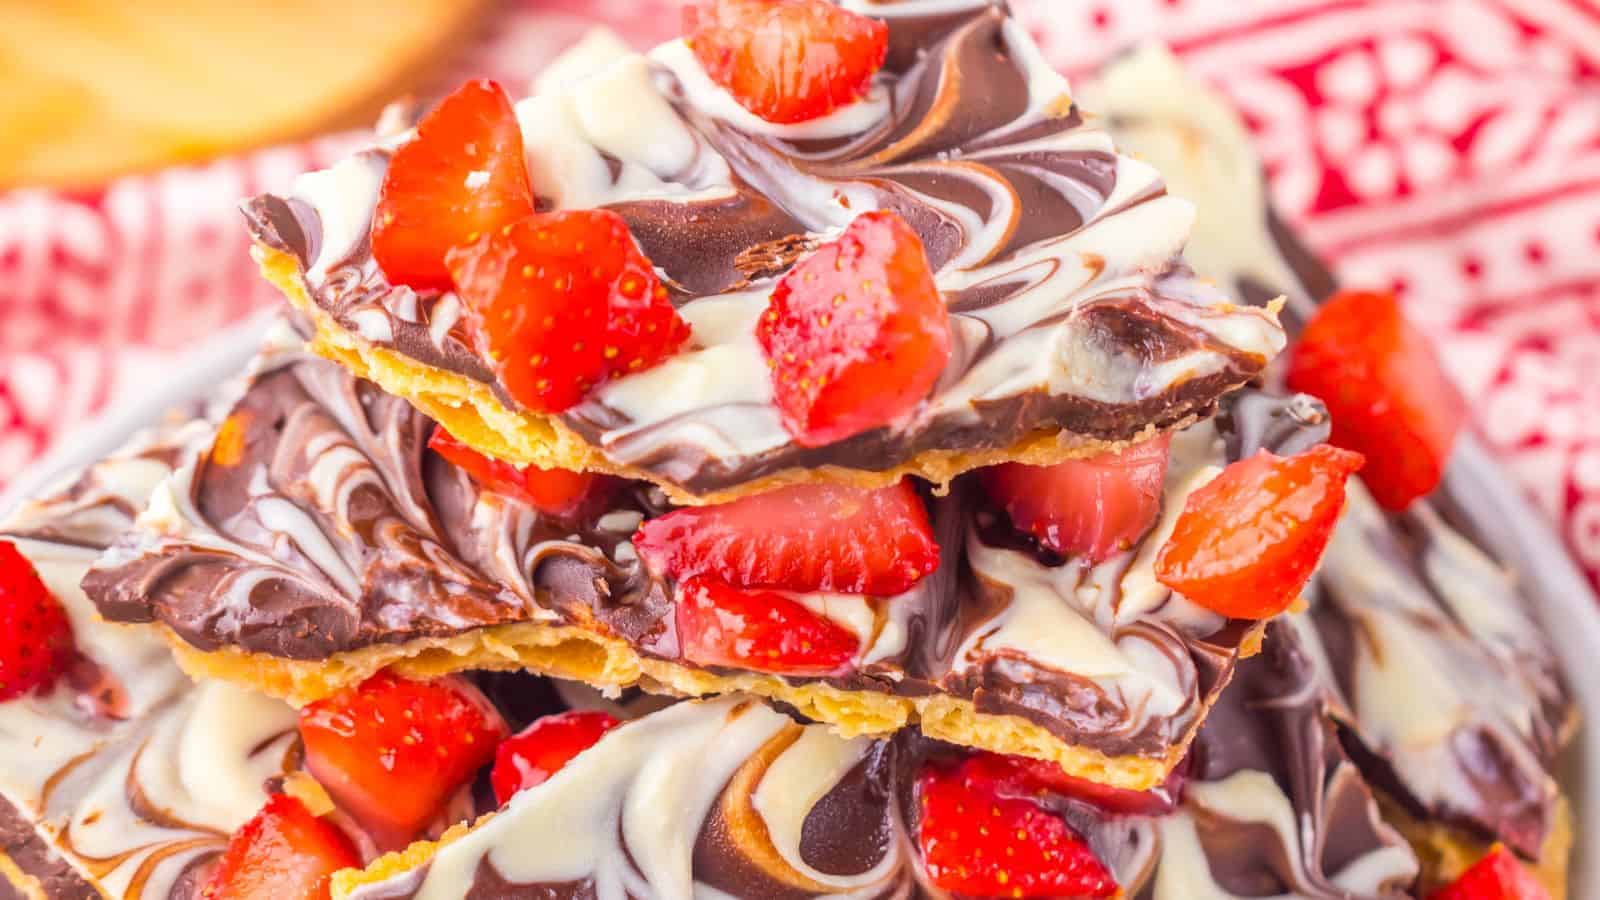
[(1094, 507), (1248, 540), (721, 625), (462, 176), (856, 333), (1386, 390), (564, 301), (786, 60), (558, 492), (977, 841), (1498, 876), (806, 537), (1025, 777), (35, 636), (284, 853), (391, 750), (543, 748)]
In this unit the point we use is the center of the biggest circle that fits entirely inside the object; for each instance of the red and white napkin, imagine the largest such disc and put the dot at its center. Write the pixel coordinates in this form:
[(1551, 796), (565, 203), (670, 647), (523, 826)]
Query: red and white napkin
[(1449, 149)]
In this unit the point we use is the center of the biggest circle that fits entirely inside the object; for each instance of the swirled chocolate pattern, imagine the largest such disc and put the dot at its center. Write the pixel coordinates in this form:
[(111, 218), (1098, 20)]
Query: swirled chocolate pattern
[(1453, 690), (319, 523), (124, 777), (705, 798), (1059, 258)]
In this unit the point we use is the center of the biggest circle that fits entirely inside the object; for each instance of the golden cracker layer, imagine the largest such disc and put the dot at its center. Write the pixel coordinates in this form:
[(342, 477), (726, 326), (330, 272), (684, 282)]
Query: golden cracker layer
[(470, 410), (607, 662)]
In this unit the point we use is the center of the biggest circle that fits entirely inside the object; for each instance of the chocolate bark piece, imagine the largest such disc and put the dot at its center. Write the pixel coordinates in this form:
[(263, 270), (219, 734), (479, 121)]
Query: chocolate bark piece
[(1077, 326), (1408, 602), (320, 540), (729, 795), (124, 778)]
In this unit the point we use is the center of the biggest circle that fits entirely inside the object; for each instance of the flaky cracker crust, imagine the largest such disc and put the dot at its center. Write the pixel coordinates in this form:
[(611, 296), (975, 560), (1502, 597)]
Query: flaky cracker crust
[(566, 651), (470, 410)]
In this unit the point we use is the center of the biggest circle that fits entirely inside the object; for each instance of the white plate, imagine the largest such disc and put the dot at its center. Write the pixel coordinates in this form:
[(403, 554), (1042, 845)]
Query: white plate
[(1513, 531)]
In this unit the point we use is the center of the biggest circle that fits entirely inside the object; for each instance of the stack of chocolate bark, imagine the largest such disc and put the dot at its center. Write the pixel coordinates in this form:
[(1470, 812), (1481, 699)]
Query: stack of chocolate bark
[(796, 461)]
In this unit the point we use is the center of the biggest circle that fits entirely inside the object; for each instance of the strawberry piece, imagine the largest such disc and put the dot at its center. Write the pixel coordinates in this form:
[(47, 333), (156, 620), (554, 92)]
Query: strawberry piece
[(976, 840), (1094, 508), (856, 333), (284, 853), (391, 750), (1247, 541), (1498, 876), (806, 537), (543, 748), (1024, 777), (721, 625), (786, 60), (461, 176), (557, 492), (564, 301), (35, 636), (1387, 392)]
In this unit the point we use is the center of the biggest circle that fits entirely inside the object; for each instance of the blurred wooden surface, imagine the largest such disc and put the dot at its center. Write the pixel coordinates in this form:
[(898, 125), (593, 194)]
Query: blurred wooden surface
[(95, 88)]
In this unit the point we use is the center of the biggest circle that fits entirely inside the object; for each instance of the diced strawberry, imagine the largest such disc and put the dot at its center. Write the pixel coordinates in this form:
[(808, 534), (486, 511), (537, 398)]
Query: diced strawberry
[(1386, 390), (35, 636), (786, 60), (806, 537), (558, 492), (543, 748), (1094, 508), (856, 333), (1247, 541), (721, 625), (1498, 876), (392, 750), (564, 301), (461, 176), (284, 853), (1026, 777), (976, 841)]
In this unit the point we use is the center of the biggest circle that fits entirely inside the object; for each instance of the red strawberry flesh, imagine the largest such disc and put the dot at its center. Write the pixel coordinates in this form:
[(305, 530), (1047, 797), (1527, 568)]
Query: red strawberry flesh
[(1386, 390), (721, 625), (1093, 508), (1498, 876), (976, 841), (786, 60), (530, 757), (1247, 541), (391, 751), (284, 853), (807, 537), (856, 334), (35, 635), (558, 492), (563, 302), (463, 175)]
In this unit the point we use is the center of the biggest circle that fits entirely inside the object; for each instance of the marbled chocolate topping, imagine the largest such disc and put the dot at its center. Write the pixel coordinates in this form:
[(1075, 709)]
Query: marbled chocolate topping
[(319, 522), (1072, 308), (124, 777), (1453, 700)]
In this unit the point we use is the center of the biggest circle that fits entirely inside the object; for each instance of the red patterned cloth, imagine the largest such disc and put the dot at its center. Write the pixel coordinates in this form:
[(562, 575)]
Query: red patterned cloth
[(1447, 148)]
